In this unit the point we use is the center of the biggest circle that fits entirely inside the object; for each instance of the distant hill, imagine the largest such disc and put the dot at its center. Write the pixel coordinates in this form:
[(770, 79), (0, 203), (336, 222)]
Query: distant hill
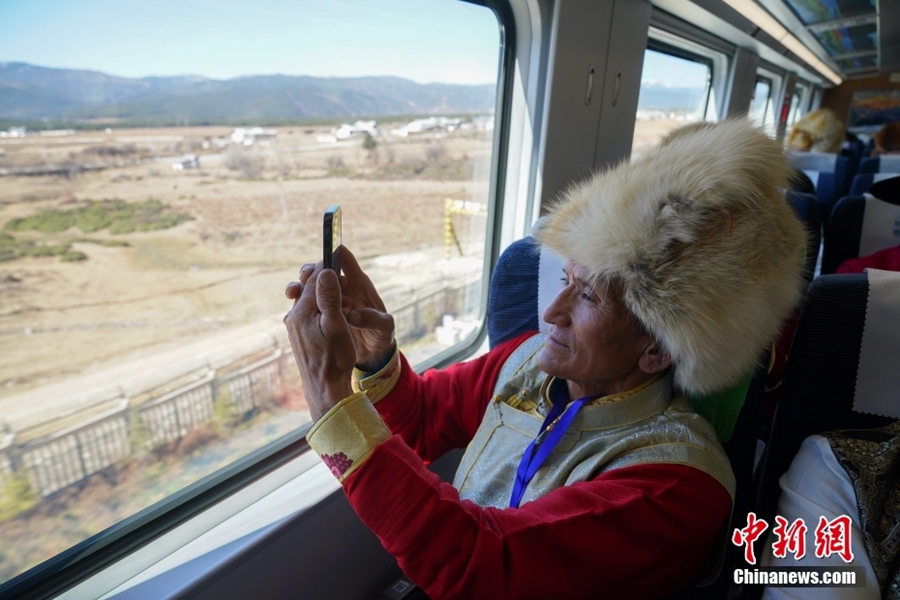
[(29, 92), (659, 97)]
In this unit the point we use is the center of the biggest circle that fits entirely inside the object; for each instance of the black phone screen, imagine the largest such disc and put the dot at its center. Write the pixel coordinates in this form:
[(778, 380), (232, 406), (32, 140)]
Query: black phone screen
[(332, 237)]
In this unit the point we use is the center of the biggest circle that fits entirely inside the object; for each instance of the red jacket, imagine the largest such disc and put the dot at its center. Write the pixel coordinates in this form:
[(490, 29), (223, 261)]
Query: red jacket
[(886, 260), (636, 532)]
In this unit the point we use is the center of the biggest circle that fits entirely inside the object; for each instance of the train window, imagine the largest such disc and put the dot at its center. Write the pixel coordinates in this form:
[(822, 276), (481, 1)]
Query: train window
[(675, 90), (762, 111), (799, 102), (164, 180)]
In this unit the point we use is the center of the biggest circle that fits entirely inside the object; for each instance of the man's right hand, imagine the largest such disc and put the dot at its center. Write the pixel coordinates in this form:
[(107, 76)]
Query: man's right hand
[(371, 326)]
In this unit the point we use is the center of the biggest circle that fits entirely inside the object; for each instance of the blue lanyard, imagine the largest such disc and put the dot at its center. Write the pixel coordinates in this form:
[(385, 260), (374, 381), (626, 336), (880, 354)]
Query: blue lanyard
[(552, 430)]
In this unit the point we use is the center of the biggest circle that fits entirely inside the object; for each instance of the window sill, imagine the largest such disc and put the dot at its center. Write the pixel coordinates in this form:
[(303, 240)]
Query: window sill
[(181, 558)]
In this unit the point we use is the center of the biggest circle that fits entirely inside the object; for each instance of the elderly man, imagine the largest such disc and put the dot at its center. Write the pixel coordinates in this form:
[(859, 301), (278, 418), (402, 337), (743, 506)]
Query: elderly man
[(587, 474)]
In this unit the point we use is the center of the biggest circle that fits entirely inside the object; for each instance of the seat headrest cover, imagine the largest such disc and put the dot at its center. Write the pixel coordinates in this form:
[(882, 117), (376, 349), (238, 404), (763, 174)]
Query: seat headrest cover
[(814, 161), (889, 162), (876, 177), (880, 226), (814, 177), (700, 235), (877, 375), (550, 271)]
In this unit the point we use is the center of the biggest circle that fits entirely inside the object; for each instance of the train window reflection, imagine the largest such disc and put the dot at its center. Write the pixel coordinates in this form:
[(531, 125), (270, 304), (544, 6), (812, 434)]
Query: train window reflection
[(762, 110), (799, 101), (161, 186), (674, 91)]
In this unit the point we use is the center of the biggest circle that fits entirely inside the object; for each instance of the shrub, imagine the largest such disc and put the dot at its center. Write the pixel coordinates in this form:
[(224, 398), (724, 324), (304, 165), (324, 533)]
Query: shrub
[(70, 256), (223, 411), (249, 164), (435, 153), (45, 221), (16, 495), (11, 249), (117, 216), (138, 435)]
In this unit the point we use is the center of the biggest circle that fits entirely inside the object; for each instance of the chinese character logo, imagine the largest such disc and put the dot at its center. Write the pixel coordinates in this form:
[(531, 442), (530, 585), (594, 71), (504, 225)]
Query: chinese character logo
[(790, 539), (749, 534), (833, 537)]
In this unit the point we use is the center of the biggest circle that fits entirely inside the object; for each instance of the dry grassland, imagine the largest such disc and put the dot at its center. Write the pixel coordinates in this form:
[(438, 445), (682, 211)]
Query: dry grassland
[(159, 303), (256, 214)]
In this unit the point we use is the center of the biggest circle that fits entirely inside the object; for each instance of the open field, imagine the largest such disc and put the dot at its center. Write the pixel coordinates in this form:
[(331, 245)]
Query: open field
[(123, 278), (255, 217), (647, 133)]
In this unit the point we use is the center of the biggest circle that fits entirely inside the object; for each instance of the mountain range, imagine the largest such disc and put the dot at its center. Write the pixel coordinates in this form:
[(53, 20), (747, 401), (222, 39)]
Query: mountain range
[(30, 92), (33, 93)]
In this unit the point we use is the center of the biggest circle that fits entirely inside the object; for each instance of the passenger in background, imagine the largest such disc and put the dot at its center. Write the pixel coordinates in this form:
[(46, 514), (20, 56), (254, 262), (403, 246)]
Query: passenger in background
[(587, 473), (853, 473), (887, 259), (800, 182), (887, 140), (818, 131)]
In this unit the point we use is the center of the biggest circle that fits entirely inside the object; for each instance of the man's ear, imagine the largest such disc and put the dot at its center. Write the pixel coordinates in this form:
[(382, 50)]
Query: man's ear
[(654, 360)]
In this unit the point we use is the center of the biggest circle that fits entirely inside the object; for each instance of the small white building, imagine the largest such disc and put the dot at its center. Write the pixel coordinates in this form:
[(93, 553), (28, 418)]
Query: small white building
[(429, 125), (188, 161), (14, 132), (347, 131), (248, 137)]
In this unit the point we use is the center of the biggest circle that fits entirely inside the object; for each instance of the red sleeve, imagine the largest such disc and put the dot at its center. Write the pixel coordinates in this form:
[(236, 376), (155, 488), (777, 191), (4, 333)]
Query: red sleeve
[(635, 532), (441, 410), (886, 260)]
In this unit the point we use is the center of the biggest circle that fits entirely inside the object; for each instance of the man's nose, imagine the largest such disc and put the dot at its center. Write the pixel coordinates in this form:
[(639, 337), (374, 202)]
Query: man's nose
[(557, 312)]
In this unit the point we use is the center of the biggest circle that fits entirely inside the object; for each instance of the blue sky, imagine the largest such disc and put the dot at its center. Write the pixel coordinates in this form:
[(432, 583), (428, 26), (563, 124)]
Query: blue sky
[(672, 71), (423, 40)]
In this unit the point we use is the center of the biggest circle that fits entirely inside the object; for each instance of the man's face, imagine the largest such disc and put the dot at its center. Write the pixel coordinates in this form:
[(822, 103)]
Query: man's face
[(594, 342)]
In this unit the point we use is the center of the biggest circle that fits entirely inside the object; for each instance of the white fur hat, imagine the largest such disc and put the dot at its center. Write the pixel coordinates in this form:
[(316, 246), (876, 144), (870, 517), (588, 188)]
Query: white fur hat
[(707, 248)]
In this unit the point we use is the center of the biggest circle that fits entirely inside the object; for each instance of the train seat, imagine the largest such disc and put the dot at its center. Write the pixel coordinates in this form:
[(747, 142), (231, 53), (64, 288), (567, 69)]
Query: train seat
[(806, 207), (513, 297), (859, 226), (827, 191), (820, 163), (854, 153), (833, 380), (880, 164), (863, 181)]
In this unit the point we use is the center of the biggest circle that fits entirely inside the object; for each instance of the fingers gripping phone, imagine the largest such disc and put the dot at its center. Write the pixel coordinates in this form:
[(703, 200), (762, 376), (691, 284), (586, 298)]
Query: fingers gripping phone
[(332, 237)]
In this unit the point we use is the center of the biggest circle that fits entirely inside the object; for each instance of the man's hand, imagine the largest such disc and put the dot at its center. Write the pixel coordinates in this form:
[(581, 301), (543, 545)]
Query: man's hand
[(372, 327), (321, 341)]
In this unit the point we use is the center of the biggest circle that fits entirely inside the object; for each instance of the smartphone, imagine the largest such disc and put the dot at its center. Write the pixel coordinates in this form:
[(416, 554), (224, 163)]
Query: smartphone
[(332, 235)]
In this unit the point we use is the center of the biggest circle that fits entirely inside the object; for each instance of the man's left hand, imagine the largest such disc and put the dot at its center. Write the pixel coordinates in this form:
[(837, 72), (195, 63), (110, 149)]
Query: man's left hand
[(321, 341)]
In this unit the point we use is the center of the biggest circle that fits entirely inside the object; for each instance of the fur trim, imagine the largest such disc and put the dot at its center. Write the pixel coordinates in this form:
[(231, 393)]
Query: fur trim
[(707, 248), (818, 131)]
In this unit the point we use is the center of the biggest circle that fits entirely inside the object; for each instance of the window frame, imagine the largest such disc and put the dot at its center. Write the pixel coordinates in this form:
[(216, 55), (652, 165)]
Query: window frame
[(776, 82), (802, 98), (89, 557), (678, 52), (716, 56)]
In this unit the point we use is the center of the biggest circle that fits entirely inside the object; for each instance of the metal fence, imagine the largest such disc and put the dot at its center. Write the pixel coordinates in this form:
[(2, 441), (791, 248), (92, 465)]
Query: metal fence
[(68, 456), (72, 454), (424, 311), (172, 416), (6, 467), (55, 461)]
